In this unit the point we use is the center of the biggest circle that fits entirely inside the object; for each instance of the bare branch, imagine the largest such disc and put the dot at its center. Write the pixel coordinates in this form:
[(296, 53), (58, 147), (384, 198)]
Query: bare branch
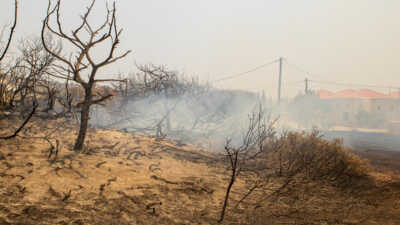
[(97, 101), (2, 55), (110, 80), (46, 25), (35, 105)]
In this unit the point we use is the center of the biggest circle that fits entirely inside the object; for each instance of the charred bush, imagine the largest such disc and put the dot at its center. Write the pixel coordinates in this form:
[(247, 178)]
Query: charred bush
[(318, 159)]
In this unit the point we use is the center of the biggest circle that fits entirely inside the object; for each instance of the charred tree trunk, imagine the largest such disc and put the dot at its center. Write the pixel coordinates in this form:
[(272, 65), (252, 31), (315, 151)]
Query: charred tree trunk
[(85, 110), (228, 191), (233, 158), (50, 103)]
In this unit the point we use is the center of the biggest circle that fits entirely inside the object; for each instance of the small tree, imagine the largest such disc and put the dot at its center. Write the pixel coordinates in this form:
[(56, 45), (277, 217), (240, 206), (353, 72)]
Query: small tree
[(82, 62), (243, 157), (30, 72)]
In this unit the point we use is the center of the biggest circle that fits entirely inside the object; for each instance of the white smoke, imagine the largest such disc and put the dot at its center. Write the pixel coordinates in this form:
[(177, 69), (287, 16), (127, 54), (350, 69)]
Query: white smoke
[(206, 119)]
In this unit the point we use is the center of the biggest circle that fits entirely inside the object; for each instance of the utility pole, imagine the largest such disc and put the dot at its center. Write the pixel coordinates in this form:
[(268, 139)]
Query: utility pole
[(306, 86), (280, 80)]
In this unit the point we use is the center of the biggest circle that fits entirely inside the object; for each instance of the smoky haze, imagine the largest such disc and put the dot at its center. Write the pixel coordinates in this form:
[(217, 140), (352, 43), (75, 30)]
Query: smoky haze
[(207, 117), (334, 42), (348, 41)]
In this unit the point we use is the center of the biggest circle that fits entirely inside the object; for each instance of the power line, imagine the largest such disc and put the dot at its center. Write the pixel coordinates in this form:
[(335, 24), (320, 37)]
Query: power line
[(296, 67), (248, 71), (300, 69)]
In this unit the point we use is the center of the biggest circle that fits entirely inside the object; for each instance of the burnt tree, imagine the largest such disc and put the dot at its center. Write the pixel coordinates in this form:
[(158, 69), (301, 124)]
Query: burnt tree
[(82, 62), (243, 157), (33, 69)]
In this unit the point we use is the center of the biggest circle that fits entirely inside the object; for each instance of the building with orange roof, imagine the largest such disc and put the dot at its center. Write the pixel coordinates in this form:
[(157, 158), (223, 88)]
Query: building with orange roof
[(362, 108)]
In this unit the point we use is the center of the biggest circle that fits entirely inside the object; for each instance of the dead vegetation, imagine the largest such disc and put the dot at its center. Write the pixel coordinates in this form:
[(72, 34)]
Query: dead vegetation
[(278, 167), (142, 180), (120, 178)]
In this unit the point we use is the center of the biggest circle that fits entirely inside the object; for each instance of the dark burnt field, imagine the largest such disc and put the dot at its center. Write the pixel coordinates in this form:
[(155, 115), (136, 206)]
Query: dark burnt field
[(382, 150)]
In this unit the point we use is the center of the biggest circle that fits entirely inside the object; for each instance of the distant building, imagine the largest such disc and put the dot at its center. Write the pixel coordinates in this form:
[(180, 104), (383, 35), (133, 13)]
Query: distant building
[(362, 108)]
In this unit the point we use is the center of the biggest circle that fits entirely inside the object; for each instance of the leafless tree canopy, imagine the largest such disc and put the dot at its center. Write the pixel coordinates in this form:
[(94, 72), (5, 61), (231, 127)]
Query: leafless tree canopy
[(243, 157), (82, 62)]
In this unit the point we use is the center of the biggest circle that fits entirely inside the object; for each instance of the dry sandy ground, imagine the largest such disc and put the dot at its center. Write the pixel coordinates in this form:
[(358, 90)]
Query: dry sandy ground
[(121, 178)]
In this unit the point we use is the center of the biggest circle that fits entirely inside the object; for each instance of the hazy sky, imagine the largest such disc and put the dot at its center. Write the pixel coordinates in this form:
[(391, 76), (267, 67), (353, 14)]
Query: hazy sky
[(346, 41)]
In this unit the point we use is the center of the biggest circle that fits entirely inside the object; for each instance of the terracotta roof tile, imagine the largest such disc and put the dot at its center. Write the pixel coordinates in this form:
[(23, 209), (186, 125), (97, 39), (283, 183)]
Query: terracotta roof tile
[(358, 94)]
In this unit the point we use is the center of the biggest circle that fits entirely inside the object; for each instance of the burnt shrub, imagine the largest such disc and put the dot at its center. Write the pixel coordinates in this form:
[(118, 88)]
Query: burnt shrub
[(313, 158)]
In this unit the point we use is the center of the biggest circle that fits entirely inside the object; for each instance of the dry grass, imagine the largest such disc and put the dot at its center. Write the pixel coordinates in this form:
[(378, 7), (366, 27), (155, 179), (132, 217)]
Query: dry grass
[(127, 179)]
